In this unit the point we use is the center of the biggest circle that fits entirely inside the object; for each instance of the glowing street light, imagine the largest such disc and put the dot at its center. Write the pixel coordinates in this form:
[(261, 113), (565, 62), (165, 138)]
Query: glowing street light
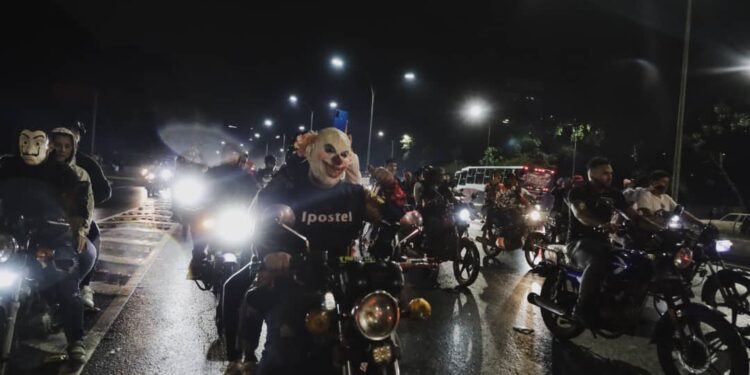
[(293, 99), (301, 128), (410, 76), (333, 105), (278, 136), (337, 62), (257, 135), (381, 134), (476, 111), (267, 122)]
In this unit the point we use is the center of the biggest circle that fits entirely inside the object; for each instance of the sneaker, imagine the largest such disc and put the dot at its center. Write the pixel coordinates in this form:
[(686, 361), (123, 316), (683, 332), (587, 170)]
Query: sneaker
[(77, 352), (87, 297)]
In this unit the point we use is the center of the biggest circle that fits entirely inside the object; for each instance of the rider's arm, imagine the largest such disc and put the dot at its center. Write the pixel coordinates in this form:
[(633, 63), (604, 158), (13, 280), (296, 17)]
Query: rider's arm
[(99, 184), (581, 210)]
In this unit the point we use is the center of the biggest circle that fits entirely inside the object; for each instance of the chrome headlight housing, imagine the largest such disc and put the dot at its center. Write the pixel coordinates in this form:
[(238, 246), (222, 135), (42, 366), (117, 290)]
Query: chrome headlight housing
[(377, 315), (8, 246), (683, 258)]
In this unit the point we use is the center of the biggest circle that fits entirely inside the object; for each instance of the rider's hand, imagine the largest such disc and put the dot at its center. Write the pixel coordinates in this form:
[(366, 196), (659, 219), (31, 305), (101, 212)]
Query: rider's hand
[(277, 262), (609, 228), (81, 245)]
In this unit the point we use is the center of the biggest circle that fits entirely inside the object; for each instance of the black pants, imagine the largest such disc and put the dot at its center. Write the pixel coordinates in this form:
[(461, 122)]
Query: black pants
[(595, 256), (231, 300)]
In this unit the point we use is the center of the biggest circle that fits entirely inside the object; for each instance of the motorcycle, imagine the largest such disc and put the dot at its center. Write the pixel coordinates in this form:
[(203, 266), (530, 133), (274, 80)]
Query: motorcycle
[(28, 309), (543, 233), (524, 229), (724, 287), (690, 338), (352, 309), (189, 196), (412, 248), (156, 179), (226, 236)]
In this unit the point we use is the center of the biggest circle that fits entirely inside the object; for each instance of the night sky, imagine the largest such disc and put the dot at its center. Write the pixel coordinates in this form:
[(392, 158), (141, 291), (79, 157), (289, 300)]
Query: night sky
[(613, 63)]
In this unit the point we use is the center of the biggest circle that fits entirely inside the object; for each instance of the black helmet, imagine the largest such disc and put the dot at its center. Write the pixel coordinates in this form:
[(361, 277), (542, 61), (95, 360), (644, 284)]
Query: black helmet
[(433, 174)]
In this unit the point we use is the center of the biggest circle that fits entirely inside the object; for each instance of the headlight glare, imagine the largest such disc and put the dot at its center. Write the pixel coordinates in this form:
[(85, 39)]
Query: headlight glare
[(189, 192), (7, 278), (464, 215), (233, 225), (535, 215), (723, 246), (165, 174), (377, 315)]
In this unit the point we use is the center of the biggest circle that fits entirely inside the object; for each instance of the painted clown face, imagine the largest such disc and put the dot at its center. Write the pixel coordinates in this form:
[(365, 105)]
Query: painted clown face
[(329, 156), (33, 146)]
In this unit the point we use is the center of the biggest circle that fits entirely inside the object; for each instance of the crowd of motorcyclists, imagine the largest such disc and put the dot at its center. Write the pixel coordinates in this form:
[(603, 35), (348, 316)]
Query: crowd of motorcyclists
[(320, 182)]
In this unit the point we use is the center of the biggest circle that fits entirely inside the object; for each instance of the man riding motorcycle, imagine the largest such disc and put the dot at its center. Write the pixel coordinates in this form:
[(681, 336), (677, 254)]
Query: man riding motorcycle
[(229, 183), (593, 204), (330, 211), (60, 192)]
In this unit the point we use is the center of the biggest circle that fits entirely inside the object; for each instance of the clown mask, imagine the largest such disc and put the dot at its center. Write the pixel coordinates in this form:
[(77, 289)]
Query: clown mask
[(33, 146), (329, 155)]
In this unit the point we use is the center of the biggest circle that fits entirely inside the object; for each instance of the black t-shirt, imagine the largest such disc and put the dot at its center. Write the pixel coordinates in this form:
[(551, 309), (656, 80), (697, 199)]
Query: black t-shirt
[(600, 205), (329, 218)]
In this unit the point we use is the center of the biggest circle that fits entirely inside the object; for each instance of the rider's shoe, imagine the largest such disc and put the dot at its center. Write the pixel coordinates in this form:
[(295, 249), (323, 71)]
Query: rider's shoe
[(87, 297), (77, 352)]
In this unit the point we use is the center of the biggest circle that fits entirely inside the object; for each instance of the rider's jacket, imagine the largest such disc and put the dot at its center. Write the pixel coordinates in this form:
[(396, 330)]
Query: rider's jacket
[(600, 204)]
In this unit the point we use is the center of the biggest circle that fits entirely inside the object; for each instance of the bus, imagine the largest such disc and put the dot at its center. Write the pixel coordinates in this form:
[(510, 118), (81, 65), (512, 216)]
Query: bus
[(470, 181)]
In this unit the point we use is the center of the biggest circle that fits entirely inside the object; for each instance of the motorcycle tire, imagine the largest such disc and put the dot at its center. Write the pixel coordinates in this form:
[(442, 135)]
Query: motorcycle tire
[(730, 340), (393, 369), (488, 243), (711, 292), (531, 249), (467, 263), (560, 327)]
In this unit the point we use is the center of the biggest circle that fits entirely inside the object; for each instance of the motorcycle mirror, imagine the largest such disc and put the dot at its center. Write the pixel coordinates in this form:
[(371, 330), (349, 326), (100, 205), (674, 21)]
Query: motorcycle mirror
[(281, 214)]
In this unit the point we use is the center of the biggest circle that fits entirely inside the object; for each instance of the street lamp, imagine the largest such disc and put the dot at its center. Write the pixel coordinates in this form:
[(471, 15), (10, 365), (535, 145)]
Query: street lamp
[(476, 111), (267, 122), (293, 100), (257, 135), (337, 62), (301, 128), (410, 76), (381, 134), (333, 105)]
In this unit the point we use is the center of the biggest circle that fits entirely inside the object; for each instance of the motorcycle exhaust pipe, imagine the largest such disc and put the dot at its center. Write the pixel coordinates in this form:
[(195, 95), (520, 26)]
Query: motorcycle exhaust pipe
[(546, 304)]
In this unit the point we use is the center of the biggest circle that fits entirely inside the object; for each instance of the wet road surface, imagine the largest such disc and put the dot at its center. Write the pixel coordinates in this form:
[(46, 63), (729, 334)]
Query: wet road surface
[(163, 324)]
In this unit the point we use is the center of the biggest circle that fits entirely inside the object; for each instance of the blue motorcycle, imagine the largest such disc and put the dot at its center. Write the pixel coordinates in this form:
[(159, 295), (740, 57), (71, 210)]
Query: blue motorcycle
[(690, 338)]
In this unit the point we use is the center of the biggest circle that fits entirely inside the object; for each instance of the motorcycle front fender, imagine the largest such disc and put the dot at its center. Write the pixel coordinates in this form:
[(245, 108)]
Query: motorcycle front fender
[(665, 325), (724, 277)]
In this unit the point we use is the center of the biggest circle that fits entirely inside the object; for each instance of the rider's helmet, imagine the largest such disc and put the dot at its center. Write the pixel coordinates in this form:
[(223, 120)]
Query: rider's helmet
[(433, 175)]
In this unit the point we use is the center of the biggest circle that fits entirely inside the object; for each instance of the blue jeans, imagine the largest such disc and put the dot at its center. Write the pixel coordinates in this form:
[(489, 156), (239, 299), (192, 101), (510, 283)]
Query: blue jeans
[(63, 277)]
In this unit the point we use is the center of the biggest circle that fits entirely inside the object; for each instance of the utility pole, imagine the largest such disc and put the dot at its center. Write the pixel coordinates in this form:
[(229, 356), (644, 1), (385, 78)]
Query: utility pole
[(681, 104)]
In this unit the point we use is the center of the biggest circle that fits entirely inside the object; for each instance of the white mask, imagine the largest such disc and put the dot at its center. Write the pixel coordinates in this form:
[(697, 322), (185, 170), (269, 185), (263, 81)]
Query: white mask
[(33, 146), (329, 155)]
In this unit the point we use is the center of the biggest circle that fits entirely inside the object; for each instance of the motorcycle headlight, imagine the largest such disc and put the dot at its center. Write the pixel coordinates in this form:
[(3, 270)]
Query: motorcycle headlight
[(233, 225), (675, 222), (150, 177), (189, 192), (7, 278), (535, 215), (144, 172), (165, 174), (464, 215), (683, 258), (377, 315), (722, 246), (8, 246)]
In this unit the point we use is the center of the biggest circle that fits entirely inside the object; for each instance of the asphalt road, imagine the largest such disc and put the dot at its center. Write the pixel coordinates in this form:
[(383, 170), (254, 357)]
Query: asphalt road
[(154, 321)]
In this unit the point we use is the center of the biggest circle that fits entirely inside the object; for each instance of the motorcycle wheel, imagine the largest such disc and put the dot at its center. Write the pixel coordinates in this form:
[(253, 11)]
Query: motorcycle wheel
[(533, 249), (488, 242), (734, 305), (713, 347), (559, 290), (466, 265)]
